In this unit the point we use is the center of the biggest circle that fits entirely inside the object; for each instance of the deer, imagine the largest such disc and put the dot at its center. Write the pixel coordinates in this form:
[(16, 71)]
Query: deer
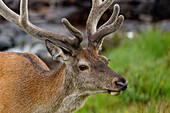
[(27, 85)]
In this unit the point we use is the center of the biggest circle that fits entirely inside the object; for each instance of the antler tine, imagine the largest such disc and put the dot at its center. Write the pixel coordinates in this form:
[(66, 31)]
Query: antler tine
[(98, 8), (74, 31), (9, 14), (113, 17), (99, 35), (110, 26), (115, 21), (97, 2), (22, 21)]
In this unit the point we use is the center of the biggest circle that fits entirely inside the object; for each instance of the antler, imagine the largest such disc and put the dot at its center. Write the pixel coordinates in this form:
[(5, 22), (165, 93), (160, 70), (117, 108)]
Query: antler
[(72, 44), (95, 35)]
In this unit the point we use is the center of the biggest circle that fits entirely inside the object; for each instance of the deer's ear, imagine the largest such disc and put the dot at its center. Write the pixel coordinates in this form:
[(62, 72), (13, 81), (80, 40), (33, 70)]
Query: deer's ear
[(56, 51)]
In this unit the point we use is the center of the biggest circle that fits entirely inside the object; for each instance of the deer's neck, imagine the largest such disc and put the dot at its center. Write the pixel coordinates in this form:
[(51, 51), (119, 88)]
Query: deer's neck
[(68, 97)]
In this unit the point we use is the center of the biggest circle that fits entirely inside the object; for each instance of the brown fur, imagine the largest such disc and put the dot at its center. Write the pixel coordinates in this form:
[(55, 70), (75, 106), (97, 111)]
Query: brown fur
[(26, 82)]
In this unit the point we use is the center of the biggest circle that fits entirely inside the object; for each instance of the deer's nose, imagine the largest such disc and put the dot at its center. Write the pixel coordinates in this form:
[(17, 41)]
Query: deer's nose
[(121, 84)]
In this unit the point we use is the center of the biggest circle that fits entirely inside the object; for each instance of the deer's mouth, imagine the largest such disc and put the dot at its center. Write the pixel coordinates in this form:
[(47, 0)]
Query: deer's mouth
[(113, 92), (119, 86)]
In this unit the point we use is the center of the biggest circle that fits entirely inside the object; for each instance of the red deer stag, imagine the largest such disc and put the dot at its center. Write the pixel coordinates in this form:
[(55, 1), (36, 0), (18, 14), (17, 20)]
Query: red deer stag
[(27, 85)]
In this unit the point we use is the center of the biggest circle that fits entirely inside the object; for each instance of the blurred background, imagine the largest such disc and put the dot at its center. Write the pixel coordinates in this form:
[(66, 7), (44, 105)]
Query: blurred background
[(139, 50)]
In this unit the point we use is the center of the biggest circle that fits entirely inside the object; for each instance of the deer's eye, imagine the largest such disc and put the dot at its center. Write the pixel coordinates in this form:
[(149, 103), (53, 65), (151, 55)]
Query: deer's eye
[(83, 67)]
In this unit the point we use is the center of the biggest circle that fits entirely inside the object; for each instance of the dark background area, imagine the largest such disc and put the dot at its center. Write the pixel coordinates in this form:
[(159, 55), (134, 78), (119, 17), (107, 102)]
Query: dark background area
[(143, 10), (139, 15)]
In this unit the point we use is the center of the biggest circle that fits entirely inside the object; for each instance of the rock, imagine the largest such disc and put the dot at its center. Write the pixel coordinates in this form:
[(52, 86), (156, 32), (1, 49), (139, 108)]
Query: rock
[(164, 25), (61, 12), (161, 10), (7, 35), (6, 42)]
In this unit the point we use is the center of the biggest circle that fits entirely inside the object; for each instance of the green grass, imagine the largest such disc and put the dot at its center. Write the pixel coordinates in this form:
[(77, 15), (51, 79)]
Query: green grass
[(145, 62)]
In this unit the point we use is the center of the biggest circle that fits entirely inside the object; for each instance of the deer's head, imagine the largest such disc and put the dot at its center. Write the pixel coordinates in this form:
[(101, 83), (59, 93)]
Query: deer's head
[(88, 70)]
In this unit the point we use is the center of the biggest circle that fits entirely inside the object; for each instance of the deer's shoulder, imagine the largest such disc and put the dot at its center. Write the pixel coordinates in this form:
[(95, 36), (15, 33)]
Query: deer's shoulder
[(26, 59)]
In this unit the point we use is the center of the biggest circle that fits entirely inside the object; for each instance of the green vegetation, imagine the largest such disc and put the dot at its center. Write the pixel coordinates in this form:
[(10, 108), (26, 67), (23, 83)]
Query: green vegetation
[(145, 62)]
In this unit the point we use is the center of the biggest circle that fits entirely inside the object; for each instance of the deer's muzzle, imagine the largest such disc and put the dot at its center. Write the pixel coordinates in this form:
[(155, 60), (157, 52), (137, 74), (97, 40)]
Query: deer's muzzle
[(120, 84)]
